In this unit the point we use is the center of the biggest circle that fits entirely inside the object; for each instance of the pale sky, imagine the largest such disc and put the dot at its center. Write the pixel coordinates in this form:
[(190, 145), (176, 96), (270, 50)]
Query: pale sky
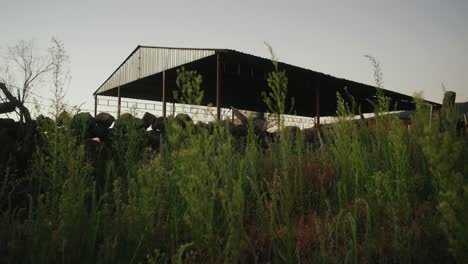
[(420, 44)]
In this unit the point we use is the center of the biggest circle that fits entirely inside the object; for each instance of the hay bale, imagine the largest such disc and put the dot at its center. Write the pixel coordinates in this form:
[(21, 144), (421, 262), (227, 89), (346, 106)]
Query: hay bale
[(200, 126), (260, 124), (63, 118), (152, 139), (183, 120), (148, 119), (105, 119), (158, 123), (292, 130), (100, 132), (82, 125), (128, 122), (239, 130), (45, 123)]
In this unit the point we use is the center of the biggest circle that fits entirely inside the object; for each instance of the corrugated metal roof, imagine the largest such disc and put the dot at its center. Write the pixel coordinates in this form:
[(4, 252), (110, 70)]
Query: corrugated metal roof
[(145, 61)]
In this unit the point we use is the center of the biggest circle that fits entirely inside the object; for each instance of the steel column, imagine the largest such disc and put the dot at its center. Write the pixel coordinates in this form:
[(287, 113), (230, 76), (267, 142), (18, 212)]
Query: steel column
[(164, 93), (95, 105), (218, 107), (119, 101)]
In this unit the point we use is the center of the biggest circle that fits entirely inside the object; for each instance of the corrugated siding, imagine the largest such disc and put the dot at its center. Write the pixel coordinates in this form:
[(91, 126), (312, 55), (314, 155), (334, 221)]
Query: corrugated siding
[(147, 61)]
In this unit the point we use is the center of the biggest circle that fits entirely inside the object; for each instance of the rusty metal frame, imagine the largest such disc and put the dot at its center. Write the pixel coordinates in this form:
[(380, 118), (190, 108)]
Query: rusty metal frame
[(95, 105), (218, 86), (119, 101), (164, 93)]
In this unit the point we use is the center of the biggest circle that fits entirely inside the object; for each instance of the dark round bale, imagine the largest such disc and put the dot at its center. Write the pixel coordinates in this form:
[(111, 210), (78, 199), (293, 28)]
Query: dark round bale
[(227, 124), (105, 119), (201, 126), (310, 134), (45, 124), (92, 147), (128, 121), (211, 126), (260, 124), (265, 138), (291, 130), (153, 139), (158, 123), (148, 119), (100, 132), (239, 130), (82, 125), (63, 119), (183, 120)]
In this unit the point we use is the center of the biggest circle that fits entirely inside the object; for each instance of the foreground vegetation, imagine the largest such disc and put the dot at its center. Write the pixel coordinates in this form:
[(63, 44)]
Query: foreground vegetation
[(381, 193), (359, 193)]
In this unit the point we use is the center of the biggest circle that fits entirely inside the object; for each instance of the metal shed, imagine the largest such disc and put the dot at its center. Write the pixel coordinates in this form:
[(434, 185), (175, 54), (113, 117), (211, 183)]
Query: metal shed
[(234, 79)]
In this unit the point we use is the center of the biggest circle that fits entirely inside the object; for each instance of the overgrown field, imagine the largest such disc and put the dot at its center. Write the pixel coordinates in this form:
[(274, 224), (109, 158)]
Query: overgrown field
[(382, 193), (359, 193)]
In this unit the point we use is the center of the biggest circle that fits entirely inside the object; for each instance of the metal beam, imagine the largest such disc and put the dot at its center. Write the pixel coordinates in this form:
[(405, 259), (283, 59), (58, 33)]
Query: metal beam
[(218, 88), (164, 93), (119, 101)]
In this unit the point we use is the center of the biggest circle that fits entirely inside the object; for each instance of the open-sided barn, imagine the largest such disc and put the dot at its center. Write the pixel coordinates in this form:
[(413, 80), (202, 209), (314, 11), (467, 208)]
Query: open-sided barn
[(233, 79)]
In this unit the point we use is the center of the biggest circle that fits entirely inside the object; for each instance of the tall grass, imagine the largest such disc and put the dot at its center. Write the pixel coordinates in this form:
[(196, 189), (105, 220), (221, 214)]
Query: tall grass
[(366, 192)]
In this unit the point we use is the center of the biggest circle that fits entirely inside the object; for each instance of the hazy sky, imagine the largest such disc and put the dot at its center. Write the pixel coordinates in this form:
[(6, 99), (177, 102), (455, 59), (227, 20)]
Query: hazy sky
[(420, 44)]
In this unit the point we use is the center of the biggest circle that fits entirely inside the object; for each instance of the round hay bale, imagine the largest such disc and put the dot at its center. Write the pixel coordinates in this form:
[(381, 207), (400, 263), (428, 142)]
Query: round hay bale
[(158, 123), (127, 122), (292, 130), (239, 130), (100, 132), (183, 120), (148, 119), (63, 118), (45, 123), (105, 119), (260, 124), (152, 139), (82, 125)]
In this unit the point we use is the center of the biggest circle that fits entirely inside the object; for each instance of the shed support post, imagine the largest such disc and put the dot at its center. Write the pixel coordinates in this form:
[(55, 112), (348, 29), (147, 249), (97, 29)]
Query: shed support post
[(317, 106), (218, 88), (95, 105), (164, 94), (119, 101)]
